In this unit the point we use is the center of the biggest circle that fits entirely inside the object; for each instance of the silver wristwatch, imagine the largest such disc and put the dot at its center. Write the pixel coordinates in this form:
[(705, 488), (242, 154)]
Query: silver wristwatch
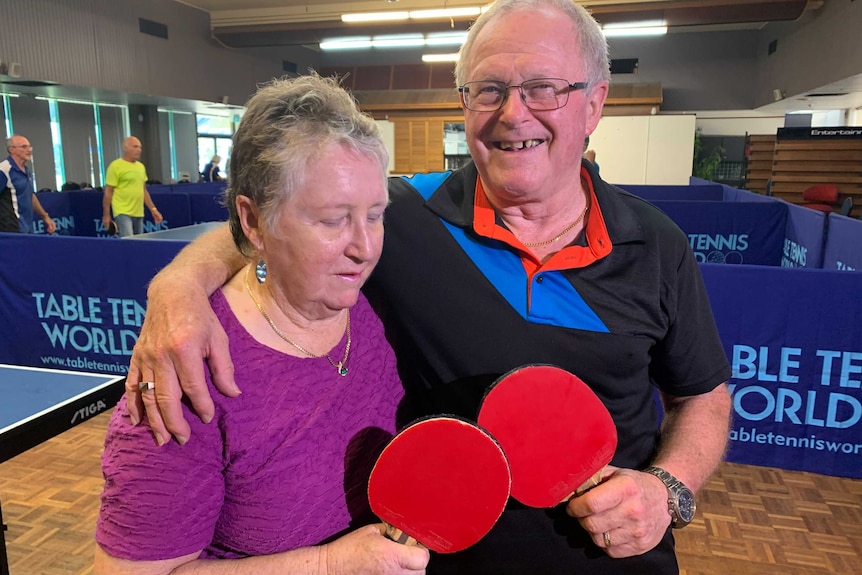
[(680, 499)]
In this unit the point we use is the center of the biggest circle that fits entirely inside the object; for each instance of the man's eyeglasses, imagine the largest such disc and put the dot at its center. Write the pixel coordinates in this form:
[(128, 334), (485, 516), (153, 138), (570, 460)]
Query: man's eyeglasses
[(24, 146), (541, 94)]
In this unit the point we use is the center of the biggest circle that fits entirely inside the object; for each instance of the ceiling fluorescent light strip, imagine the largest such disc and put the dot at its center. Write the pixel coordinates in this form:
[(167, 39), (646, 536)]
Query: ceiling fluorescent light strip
[(433, 58), (445, 13), (394, 41), (346, 44), (414, 14), (445, 39), (375, 16), (405, 41), (635, 24), (635, 31)]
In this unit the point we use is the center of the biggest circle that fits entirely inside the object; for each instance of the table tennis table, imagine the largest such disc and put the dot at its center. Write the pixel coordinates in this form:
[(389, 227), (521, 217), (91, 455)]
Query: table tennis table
[(182, 233), (36, 404)]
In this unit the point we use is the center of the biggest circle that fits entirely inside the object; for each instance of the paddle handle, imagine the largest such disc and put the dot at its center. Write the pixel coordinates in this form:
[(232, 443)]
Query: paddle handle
[(399, 536), (586, 485)]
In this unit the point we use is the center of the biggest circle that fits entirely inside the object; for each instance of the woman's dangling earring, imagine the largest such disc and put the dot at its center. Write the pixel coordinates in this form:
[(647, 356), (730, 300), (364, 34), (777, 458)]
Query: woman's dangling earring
[(260, 271)]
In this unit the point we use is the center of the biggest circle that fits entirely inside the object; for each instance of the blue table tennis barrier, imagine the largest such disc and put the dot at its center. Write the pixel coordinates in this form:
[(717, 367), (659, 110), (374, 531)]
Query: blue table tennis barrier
[(790, 329), (711, 214), (79, 212)]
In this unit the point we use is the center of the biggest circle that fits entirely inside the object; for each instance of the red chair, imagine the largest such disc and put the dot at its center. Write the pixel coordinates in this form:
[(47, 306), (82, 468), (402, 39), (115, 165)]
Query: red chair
[(821, 197)]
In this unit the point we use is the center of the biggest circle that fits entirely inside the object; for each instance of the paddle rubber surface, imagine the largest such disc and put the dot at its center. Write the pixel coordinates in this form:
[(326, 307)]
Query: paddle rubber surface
[(556, 433), (441, 481)]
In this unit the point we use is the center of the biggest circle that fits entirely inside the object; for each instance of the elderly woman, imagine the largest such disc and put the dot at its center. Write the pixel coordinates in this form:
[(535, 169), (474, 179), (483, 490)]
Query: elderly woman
[(277, 482)]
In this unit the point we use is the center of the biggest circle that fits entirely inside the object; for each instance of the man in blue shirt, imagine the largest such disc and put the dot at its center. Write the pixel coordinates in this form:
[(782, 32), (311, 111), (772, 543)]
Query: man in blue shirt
[(210, 172), (18, 201)]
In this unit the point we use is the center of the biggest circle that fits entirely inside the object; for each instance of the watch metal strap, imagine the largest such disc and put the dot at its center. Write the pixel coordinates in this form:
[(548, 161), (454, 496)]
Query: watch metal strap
[(673, 486)]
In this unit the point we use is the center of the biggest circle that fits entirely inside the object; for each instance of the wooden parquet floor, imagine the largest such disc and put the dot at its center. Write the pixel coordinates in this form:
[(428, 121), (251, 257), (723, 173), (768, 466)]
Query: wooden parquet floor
[(751, 520)]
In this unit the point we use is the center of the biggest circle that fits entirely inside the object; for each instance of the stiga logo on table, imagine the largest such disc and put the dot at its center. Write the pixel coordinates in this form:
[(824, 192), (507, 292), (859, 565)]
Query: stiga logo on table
[(89, 411), (103, 325)]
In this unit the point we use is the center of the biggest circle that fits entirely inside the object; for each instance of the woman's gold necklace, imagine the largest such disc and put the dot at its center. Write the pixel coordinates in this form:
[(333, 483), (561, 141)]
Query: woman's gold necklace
[(560, 235), (341, 366)]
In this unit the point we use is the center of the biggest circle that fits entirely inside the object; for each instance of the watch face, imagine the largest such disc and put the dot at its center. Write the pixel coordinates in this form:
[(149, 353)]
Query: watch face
[(686, 505)]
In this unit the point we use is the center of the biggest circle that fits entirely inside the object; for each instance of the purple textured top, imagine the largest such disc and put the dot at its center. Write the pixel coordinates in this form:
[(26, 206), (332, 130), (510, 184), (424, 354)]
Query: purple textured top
[(282, 466)]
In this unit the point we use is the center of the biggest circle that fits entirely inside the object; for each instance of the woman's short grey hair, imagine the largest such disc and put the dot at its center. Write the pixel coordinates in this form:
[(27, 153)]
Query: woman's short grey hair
[(287, 124), (592, 43)]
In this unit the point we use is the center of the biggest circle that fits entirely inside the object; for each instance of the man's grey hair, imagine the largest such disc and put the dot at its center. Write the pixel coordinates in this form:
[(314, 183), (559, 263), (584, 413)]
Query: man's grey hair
[(592, 43), (287, 124)]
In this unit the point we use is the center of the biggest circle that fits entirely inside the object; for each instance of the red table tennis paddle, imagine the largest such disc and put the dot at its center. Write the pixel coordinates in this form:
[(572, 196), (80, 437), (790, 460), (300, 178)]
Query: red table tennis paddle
[(557, 435), (442, 482), (112, 229)]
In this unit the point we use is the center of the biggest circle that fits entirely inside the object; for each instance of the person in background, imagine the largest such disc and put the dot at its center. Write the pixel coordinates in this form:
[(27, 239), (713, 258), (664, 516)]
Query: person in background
[(18, 201), (210, 173), (590, 155), (126, 192), (278, 482), (523, 256)]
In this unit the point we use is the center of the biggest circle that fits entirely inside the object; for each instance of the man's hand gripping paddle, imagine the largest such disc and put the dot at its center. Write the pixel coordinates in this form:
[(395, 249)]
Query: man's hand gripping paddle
[(441, 482), (557, 435)]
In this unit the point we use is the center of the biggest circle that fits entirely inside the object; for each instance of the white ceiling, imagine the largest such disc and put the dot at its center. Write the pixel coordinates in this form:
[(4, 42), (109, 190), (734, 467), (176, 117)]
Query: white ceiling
[(249, 23), (843, 95)]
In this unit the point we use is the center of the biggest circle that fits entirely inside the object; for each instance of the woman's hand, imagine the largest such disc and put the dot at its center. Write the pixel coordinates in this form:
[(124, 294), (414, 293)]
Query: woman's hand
[(367, 550)]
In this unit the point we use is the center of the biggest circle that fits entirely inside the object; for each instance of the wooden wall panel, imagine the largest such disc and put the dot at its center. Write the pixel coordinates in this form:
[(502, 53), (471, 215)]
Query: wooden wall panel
[(799, 163), (443, 76), (760, 150), (411, 77), (402, 147), (346, 75), (373, 78), (418, 145)]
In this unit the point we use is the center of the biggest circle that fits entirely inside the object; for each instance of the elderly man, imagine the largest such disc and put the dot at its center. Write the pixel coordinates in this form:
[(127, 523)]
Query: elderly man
[(210, 173), (18, 201), (522, 257), (126, 192)]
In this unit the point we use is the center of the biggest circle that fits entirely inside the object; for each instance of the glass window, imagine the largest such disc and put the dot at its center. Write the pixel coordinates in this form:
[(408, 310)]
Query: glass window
[(214, 125)]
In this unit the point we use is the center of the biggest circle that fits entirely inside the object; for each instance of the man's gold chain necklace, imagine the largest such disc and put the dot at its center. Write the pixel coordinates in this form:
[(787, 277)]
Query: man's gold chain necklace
[(560, 235)]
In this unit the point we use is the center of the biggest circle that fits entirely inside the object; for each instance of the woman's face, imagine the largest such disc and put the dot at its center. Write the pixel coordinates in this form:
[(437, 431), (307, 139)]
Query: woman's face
[(328, 235)]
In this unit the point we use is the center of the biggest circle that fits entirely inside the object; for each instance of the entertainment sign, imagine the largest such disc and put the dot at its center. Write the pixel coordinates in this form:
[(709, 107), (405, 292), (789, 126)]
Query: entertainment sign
[(839, 132)]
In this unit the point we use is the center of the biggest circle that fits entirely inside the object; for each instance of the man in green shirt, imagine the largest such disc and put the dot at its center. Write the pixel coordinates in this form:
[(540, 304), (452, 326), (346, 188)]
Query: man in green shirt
[(126, 192)]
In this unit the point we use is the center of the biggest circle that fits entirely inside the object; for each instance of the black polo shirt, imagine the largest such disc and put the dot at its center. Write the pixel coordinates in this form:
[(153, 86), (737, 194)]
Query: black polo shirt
[(464, 302)]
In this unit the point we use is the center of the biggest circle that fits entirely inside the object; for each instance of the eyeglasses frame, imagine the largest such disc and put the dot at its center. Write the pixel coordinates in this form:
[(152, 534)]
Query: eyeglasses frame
[(570, 86)]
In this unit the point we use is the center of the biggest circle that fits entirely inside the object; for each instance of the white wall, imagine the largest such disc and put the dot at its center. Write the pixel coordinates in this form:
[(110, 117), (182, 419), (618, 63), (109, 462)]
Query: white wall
[(645, 149), (738, 123), (97, 44), (387, 132)]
